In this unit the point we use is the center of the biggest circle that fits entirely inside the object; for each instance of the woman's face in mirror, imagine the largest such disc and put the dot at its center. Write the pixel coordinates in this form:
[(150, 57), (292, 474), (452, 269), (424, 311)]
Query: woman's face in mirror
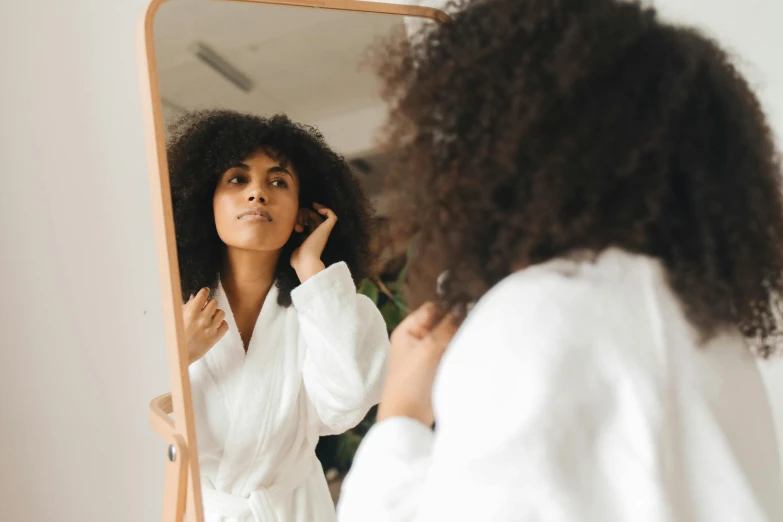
[(256, 203)]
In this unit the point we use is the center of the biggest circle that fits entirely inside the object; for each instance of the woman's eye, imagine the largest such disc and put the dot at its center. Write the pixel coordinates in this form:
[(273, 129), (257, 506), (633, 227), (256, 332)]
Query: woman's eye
[(279, 183), (235, 180)]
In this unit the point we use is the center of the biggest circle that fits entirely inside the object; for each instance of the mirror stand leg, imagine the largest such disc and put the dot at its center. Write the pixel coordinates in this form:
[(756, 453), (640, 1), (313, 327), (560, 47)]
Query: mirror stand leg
[(175, 480)]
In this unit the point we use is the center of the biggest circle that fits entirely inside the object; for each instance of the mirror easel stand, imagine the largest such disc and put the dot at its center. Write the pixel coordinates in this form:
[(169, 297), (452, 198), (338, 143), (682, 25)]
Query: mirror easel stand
[(175, 474), (182, 484)]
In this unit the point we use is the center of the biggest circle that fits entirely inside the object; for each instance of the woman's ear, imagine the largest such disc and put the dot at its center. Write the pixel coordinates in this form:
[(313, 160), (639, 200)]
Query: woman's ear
[(301, 220)]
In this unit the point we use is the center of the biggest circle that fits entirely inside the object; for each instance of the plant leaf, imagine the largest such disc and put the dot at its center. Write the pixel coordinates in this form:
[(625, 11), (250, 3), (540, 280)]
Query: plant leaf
[(392, 315), (369, 289)]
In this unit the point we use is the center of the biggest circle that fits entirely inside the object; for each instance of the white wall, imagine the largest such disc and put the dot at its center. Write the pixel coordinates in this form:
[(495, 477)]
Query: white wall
[(81, 338), (81, 335)]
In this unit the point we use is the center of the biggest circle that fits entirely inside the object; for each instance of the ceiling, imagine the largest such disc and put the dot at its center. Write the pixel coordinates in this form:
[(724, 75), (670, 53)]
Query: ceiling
[(302, 61)]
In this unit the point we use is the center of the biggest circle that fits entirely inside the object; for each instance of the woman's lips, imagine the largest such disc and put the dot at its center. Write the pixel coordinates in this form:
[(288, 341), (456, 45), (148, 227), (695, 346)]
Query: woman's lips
[(255, 215)]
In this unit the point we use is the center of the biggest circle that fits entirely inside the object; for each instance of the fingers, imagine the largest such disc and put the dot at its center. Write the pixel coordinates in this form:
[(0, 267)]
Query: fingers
[(440, 336), (312, 220), (419, 322), (219, 331), (218, 317), (198, 301), (209, 309), (203, 311), (222, 329), (319, 235), (207, 340), (306, 220), (204, 324), (424, 319), (327, 212)]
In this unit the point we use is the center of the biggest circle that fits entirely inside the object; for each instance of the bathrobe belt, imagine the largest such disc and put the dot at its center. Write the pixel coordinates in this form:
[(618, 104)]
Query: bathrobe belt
[(260, 502)]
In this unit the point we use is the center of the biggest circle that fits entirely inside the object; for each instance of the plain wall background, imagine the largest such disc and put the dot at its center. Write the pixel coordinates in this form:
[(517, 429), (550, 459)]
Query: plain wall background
[(82, 334), (81, 337)]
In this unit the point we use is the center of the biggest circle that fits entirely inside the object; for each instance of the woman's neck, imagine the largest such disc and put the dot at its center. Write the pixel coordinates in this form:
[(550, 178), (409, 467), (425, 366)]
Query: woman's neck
[(246, 278)]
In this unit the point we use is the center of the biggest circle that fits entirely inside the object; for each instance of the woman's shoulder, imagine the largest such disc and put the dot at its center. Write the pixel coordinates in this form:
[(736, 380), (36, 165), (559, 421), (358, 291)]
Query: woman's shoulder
[(570, 326), (567, 284), (595, 309)]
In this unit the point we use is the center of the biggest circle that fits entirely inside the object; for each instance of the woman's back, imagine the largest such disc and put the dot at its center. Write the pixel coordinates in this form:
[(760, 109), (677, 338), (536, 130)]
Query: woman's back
[(576, 390), (607, 400)]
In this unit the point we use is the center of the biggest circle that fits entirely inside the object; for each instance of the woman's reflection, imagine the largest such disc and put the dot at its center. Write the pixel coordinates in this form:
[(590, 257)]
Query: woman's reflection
[(273, 232)]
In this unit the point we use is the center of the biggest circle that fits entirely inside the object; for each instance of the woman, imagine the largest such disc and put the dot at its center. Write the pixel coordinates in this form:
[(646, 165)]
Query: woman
[(285, 350), (605, 185)]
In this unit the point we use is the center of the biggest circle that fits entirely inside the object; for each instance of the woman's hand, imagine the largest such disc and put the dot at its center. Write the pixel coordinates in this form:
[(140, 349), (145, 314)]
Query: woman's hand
[(306, 260), (205, 324), (417, 346)]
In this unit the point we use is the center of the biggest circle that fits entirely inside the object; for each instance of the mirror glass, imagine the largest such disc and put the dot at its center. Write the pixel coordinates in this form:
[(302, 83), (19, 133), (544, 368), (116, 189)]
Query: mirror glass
[(277, 185)]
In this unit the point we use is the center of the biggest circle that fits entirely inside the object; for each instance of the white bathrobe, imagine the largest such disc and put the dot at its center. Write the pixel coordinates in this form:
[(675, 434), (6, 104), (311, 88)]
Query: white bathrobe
[(576, 392), (312, 369)]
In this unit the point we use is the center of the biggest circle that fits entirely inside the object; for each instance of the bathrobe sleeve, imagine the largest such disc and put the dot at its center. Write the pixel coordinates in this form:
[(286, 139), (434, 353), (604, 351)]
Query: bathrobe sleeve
[(540, 418), (346, 348)]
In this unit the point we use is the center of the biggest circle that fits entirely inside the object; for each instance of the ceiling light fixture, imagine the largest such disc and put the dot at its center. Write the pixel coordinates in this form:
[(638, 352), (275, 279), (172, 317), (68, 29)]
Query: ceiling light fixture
[(207, 55)]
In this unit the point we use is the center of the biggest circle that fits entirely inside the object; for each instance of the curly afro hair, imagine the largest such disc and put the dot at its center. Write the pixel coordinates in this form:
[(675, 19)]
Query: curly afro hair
[(530, 129), (204, 144)]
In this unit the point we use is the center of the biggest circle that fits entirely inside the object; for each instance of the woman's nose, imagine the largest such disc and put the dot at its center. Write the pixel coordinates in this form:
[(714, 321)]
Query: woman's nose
[(257, 194)]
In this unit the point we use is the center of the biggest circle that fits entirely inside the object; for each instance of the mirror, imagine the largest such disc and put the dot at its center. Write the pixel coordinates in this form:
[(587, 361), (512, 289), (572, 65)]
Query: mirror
[(280, 282)]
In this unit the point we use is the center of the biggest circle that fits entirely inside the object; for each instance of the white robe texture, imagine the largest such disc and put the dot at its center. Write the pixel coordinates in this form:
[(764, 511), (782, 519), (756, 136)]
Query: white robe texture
[(577, 391), (312, 369)]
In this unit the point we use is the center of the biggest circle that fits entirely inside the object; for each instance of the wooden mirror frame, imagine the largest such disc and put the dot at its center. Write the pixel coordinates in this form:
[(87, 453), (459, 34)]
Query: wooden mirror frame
[(181, 495)]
